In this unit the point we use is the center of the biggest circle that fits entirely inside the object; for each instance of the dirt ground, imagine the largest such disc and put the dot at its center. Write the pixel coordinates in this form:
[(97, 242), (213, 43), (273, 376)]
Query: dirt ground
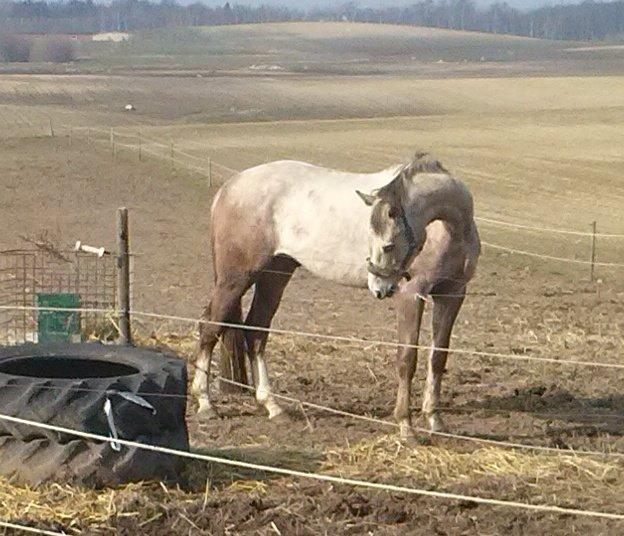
[(547, 155), (518, 307)]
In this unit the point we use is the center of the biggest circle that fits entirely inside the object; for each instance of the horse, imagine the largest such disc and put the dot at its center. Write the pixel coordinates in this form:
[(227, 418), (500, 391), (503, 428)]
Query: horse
[(407, 231)]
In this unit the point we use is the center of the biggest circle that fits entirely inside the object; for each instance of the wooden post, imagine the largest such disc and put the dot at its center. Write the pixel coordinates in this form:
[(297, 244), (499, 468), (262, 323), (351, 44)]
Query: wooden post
[(140, 147), (51, 128), (209, 172), (123, 277), (112, 141), (593, 252)]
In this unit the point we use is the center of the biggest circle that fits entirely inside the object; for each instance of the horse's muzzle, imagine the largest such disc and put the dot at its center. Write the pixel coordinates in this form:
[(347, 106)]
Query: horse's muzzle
[(387, 294)]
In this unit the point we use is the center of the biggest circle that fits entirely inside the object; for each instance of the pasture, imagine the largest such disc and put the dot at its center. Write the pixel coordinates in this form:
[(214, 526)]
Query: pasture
[(532, 127)]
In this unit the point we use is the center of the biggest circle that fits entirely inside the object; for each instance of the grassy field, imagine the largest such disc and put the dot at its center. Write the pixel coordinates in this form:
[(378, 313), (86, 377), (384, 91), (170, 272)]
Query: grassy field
[(534, 129)]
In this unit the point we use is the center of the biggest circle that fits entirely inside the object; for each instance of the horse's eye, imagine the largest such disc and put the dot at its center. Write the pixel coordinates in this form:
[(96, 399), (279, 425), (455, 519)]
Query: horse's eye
[(388, 248), (392, 213)]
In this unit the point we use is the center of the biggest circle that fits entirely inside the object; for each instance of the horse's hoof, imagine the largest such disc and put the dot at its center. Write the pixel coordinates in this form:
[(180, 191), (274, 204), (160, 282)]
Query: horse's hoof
[(407, 434), (279, 416), (206, 412), (415, 440), (408, 439), (436, 424)]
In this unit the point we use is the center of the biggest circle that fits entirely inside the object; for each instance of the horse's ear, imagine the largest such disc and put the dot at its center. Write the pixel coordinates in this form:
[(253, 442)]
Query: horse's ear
[(393, 191), (399, 179), (368, 199)]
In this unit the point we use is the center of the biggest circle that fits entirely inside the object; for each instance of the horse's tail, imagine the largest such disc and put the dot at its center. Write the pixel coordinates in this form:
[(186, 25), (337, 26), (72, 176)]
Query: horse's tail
[(233, 362)]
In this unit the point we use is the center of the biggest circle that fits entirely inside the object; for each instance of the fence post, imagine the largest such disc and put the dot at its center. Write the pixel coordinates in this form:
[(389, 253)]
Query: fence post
[(51, 128), (593, 252), (112, 141), (140, 147), (209, 172), (123, 277)]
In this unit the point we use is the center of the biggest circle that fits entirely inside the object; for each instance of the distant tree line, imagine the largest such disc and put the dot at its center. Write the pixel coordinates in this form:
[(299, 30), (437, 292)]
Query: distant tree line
[(589, 20), (586, 21), (86, 16)]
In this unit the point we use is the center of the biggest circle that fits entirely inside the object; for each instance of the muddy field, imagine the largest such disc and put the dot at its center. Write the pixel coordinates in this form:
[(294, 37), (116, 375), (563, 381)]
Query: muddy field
[(534, 151)]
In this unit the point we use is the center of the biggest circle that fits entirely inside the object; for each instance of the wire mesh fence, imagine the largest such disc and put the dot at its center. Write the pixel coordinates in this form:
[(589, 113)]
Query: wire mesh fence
[(36, 277)]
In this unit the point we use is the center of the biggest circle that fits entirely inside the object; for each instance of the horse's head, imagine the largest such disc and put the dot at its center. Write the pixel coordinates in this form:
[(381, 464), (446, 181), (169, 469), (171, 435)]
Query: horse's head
[(393, 243)]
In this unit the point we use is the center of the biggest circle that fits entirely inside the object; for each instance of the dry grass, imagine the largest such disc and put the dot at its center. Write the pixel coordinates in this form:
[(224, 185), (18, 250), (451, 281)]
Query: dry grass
[(443, 467)]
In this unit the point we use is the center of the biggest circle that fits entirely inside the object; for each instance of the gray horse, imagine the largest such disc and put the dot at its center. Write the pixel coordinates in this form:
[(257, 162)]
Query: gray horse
[(406, 231)]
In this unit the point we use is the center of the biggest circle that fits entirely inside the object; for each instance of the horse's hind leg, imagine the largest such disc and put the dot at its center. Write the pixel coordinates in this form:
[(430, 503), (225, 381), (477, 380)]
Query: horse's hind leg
[(203, 365), (224, 307), (445, 312), (268, 292)]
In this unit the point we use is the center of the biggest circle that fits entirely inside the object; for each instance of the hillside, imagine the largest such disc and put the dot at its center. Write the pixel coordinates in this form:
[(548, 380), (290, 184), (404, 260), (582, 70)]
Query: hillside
[(326, 47)]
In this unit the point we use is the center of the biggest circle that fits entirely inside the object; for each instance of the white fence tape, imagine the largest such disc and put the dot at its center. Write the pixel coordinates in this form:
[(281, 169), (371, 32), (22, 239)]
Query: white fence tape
[(551, 257), (502, 223), (31, 530), (324, 336)]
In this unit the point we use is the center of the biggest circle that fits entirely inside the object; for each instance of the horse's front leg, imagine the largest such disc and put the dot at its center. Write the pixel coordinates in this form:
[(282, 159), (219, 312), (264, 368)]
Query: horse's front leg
[(445, 312), (409, 314)]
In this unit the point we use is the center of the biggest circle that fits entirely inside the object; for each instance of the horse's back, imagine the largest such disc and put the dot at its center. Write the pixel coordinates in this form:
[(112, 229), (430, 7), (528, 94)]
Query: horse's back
[(242, 219), (307, 212)]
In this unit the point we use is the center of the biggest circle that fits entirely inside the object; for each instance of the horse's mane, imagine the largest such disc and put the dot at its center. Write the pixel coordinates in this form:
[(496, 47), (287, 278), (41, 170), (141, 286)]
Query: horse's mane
[(420, 163), (423, 163)]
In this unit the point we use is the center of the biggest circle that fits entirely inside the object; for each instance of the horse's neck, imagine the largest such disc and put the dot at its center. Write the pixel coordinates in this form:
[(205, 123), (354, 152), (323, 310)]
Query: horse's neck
[(444, 199)]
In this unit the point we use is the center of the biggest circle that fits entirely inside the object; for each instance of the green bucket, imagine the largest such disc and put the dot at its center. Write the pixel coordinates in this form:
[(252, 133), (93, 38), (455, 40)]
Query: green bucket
[(58, 326)]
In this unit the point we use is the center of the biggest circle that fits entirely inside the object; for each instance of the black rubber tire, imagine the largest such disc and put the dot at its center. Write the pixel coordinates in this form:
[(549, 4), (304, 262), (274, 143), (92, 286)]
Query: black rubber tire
[(158, 377), (84, 463)]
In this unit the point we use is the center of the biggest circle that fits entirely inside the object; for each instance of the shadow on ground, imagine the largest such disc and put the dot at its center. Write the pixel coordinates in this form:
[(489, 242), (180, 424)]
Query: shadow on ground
[(197, 474), (589, 415)]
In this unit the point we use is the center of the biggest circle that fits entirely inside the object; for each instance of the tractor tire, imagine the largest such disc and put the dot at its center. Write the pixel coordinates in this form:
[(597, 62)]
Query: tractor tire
[(84, 463), (67, 385)]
